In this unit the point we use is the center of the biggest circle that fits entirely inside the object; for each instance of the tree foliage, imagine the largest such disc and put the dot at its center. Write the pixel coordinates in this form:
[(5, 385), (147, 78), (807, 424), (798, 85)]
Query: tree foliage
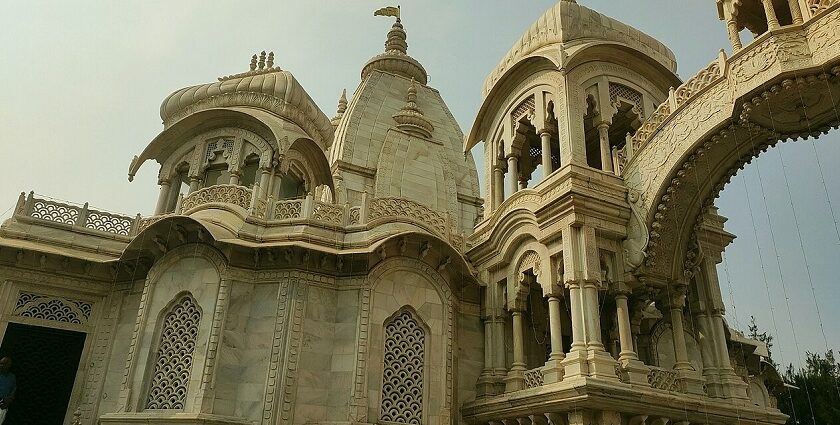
[(816, 400)]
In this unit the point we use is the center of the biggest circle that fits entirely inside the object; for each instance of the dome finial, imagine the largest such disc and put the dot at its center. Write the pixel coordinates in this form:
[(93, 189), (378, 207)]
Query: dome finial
[(396, 37), (410, 118), (342, 108)]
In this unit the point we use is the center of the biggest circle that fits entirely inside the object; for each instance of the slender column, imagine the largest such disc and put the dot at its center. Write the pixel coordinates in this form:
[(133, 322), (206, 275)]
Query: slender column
[(163, 197), (720, 341), (265, 182), (498, 184), (592, 316), (680, 350), (515, 379), (795, 11), (625, 335), (606, 156), (195, 183), (545, 138), (732, 29), (576, 305), (173, 195), (772, 21), (234, 177), (513, 171), (556, 329)]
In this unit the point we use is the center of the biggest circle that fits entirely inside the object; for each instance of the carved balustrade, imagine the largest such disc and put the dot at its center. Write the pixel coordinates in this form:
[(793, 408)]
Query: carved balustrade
[(817, 6), (664, 379), (533, 378), (373, 211), (74, 216)]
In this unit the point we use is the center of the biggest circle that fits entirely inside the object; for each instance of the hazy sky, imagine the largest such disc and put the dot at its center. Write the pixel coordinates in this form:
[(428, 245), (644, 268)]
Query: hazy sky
[(83, 82)]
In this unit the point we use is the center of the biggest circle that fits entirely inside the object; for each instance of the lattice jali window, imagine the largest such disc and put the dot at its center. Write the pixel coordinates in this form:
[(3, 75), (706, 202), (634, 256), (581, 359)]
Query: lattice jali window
[(524, 109), (174, 357), (45, 307), (621, 92), (402, 374)]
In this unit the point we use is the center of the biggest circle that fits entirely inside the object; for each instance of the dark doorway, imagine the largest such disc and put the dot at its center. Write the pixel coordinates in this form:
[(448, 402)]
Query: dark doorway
[(45, 361)]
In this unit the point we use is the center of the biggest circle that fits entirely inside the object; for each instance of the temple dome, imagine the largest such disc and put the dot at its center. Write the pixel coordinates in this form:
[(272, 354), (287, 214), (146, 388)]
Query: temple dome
[(265, 87), (573, 27), (396, 59)]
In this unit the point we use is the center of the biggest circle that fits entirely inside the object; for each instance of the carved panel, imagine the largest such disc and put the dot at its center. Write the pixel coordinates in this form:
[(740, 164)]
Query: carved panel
[(222, 193), (174, 357), (329, 213), (403, 372), (45, 307), (55, 211)]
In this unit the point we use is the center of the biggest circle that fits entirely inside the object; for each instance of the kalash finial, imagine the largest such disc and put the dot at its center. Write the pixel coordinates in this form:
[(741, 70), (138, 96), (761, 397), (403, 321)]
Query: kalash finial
[(396, 37)]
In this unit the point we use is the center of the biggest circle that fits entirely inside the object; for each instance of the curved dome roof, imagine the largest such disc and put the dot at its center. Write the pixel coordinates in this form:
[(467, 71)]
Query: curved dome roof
[(569, 24), (270, 88)]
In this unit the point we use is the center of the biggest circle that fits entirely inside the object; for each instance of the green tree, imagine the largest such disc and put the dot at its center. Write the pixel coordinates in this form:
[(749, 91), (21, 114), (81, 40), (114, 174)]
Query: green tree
[(764, 337), (816, 398)]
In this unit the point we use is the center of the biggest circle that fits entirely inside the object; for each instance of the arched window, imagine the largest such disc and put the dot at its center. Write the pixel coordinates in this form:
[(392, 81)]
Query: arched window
[(250, 171), (402, 373), (174, 356)]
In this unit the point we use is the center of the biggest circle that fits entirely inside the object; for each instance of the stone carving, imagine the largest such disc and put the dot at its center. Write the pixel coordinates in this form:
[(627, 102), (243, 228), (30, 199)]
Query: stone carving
[(107, 222), (403, 372), (533, 378), (399, 207), (145, 222), (174, 357), (620, 91), (664, 379), (55, 211), (45, 307), (817, 6), (354, 215), (222, 193), (698, 82), (288, 210), (277, 352), (329, 213)]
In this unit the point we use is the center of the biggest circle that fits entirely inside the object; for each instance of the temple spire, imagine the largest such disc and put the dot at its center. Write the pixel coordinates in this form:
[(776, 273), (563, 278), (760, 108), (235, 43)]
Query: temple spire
[(410, 118), (395, 59), (342, 108)]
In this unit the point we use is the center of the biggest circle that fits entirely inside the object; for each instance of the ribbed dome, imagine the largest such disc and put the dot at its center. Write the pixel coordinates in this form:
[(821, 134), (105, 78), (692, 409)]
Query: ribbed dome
[(569, 24), (270, 88)]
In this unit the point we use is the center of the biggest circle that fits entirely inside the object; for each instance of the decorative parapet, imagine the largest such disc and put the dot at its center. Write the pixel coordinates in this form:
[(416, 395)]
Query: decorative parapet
[(220, 193), (817, 6), (399, 207), (534, 378), (267, 212), (664, 379), (75, 216)]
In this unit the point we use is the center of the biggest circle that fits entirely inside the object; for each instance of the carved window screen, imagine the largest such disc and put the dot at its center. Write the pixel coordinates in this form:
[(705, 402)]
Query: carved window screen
[(402, 375), (174, 357)]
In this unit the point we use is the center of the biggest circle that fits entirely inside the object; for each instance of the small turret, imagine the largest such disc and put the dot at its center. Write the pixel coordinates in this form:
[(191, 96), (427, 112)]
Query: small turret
[(342, 107), (410, 118)]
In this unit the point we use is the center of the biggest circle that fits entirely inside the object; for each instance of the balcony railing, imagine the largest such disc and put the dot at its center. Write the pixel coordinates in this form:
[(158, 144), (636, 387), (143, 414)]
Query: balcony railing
[(533, 378), (243, 201), (75, 216)]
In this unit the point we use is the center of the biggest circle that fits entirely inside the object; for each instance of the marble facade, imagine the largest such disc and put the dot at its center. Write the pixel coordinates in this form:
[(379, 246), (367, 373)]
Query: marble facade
[(346, 270)]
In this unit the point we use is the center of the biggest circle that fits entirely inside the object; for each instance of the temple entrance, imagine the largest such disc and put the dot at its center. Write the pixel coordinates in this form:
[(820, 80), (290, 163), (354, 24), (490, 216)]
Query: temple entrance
[(45, 362)]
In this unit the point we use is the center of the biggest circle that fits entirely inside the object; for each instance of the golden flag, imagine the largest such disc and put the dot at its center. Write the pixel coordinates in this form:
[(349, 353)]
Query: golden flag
[(388, 11)]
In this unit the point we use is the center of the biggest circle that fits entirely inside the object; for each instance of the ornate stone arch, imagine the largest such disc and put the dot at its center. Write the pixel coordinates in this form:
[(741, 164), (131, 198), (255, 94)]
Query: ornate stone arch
[(305, 157), (359, 399)]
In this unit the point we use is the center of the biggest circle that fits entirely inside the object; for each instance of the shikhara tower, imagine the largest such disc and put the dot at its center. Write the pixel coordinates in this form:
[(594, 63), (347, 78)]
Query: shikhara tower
[(306, 269)]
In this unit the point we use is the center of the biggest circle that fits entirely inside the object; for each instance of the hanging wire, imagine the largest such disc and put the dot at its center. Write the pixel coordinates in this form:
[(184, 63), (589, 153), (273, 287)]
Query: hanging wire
[(761, 258), (796, 220)]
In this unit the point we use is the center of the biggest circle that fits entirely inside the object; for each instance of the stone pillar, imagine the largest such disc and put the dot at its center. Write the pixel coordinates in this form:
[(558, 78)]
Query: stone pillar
[(553, 370), (515, 379), (772, 21), (163, 197), (485, 385), (732, 384), (499, 353), (234, 177), (795, 11), (708, 352), (632, 370), (574, 365), (676, 307), (265, 182), (195, 183), (513, 171), (498, 184), (606, 155), (732, 29), (545, 138)]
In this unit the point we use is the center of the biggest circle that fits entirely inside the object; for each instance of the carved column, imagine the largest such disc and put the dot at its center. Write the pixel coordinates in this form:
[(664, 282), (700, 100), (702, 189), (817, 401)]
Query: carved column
[(265, 182), (631, 368), (574, 364), (498, 183), (676, 307), (513, 172), (163, 197), (795, 11), (234, 177), (732, 28), (732, 384), (772, 21), (195, 183), (545, 138), (515, 379), (553, 370), (606, 155)]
